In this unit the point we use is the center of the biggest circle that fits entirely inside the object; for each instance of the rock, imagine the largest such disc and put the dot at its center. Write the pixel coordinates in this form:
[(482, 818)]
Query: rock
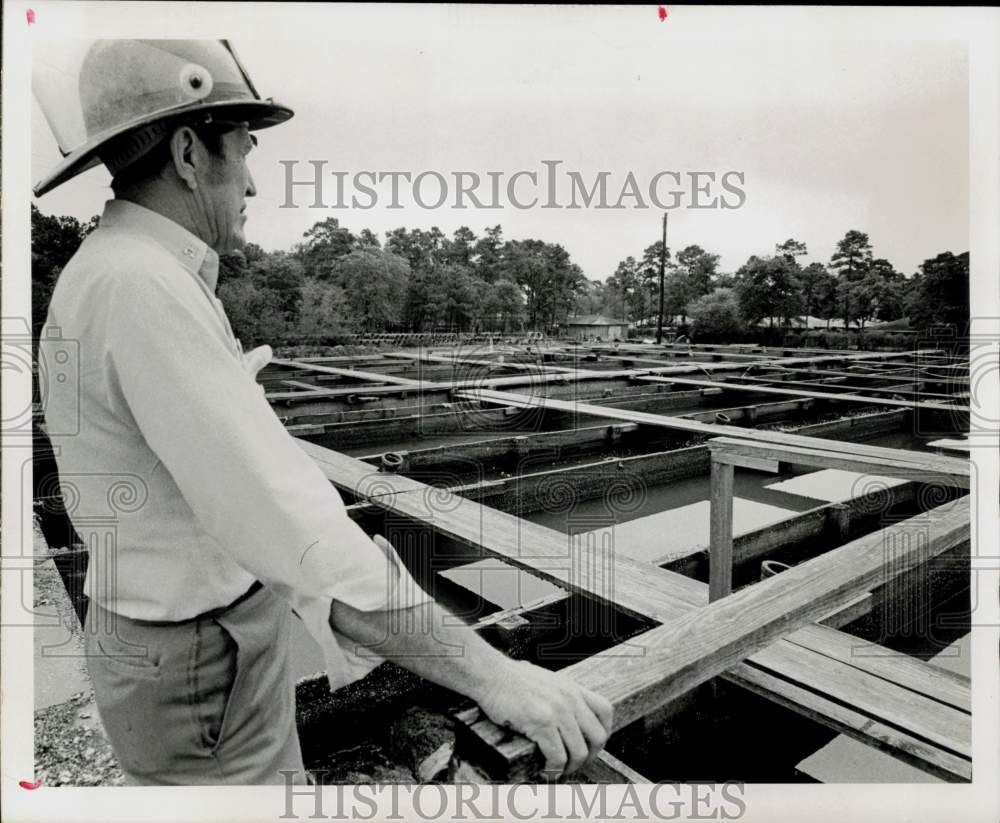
[(418, 737), (433, 766)]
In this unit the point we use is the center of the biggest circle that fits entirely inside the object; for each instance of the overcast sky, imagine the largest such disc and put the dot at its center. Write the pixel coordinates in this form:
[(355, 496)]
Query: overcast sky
[(830, 135)]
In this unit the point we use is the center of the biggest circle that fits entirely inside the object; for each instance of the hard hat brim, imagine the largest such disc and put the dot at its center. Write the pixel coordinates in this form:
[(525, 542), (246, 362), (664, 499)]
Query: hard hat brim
[(258, 114)]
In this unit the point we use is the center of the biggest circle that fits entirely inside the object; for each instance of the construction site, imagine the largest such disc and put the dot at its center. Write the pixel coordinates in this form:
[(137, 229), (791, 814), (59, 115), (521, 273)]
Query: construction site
[(760, 555)]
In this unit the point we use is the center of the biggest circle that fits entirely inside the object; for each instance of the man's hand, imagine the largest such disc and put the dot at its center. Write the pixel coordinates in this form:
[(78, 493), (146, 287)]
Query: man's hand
[(569, 723)]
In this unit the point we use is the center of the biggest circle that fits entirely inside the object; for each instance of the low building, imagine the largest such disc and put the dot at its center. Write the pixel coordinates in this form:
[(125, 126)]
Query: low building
[(591, 326)]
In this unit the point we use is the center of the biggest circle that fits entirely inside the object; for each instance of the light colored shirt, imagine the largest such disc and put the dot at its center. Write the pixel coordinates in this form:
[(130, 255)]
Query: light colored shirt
[(178, 453)]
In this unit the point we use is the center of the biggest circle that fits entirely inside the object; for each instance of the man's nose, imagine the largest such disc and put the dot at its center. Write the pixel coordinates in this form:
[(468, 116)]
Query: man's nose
[(251, 188)]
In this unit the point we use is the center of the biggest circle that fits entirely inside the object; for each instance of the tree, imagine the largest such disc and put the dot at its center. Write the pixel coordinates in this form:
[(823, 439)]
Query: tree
[(677, 292), (768, 287), (715, 316), (549, 278), (886, 288), (791, 249), (421, 249), (850, 261), (460, 248), (326, 242), (816, 283), (699, 267), (649, 275), (368, 240), (373, 284), (488, 254), (253, 312), (281, 274), (54, 240), (940, 292), (591, 298), (502, 307), (625, 291), (322, 313), (233, 266)]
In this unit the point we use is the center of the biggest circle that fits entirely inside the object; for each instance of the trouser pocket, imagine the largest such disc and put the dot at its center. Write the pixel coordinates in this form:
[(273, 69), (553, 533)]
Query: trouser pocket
[(215, 678)]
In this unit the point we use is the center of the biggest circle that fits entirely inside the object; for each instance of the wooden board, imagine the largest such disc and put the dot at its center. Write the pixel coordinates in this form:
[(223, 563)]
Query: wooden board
[(689, 651), (357, 374), (861, 727), (824, 395), (636, 588), (943, 465), (906, 466), (931, 681)]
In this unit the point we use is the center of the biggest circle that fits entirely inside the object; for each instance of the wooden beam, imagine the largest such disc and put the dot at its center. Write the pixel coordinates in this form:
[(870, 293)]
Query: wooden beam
[(720, 556), (635, 588), (913, 467), (899, 668), (943, 465), (706, 641), (357, 374), (862, 727), (606, 768), (825, 395)]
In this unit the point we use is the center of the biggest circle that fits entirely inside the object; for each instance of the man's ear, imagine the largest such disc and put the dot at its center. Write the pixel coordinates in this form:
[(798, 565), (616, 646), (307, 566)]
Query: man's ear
[(184, 152)]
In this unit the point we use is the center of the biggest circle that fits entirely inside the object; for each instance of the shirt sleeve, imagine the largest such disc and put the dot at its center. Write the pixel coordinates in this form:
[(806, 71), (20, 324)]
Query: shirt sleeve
[(245, 479)]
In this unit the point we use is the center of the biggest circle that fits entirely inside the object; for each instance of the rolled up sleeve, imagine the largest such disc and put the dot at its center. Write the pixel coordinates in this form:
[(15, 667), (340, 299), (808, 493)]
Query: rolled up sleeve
[(247, 482)]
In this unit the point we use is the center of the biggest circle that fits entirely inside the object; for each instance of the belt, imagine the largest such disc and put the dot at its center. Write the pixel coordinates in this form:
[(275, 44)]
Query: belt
[(216, 612)]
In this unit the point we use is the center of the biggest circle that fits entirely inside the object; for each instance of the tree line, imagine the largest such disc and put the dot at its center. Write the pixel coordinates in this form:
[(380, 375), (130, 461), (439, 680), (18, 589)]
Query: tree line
[(336, 282), (855, 288)]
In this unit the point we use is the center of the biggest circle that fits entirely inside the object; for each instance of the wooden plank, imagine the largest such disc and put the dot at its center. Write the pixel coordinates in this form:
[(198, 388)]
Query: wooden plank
[(792, 392), (911, 467), (720, 554), (567, 560), (843, 718), (357, 374), (606, 768), (944, 465), (636, 588), (943, 725), (796, 528), (952, 445), (931, 681), (705, 642), (319, 392)]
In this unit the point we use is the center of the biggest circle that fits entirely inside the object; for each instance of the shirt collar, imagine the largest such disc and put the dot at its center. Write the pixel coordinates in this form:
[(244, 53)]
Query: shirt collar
[(190, 251)]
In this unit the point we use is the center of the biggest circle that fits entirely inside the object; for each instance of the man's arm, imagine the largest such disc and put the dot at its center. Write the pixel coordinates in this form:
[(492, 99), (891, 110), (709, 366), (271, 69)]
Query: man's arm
[(568, 722), (271, 508)]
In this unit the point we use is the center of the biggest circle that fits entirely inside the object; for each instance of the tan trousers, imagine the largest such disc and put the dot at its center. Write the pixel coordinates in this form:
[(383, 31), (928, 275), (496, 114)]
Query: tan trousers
[(207, 701)]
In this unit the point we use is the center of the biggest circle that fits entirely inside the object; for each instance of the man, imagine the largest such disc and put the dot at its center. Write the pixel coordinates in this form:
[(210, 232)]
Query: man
[(223, 526)]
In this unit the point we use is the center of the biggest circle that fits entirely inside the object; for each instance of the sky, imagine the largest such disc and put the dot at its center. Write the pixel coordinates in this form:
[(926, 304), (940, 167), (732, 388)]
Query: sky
[(829, 134)]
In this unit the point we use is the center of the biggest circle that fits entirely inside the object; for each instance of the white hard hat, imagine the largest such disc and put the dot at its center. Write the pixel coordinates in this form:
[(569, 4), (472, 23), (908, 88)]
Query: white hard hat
[(111, 101)]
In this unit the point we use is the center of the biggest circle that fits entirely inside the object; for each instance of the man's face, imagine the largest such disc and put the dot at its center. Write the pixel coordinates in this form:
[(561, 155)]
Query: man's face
[(225, 186)]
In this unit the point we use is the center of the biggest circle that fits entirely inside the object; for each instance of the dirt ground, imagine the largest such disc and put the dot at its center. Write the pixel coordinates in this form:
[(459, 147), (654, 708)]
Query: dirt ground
[(71, 748)]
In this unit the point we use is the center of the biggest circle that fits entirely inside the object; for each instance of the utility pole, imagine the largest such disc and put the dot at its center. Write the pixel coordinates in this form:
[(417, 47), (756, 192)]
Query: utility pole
[(663, 265)]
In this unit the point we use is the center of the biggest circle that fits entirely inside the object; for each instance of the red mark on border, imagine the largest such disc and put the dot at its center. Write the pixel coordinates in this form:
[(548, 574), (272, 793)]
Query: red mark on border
[(663, 13), (30, 15), (24, 784)]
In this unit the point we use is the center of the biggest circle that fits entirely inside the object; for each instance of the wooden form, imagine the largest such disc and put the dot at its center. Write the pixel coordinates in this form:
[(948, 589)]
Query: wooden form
[(924, 464), (825, 685), (728, 452), (688, 651), (357, 374), (825, 395), (791, 677)]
